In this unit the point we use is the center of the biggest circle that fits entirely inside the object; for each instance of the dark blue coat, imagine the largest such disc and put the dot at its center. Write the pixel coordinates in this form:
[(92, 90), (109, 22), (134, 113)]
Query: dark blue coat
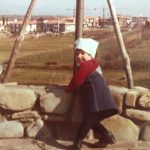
[(96, 97)]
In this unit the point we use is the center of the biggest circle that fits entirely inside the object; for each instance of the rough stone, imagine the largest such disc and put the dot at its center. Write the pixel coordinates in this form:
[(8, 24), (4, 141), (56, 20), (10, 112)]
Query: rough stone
[(90, 135), (16, 99), (138, 114), (118, 94), (57, 101), (141, 89), (33, 129), (25, 120), (121, 90), (122, 128), (64, 120), (39, 90), (25, 114), (144, 134), (14, 85), (38, 129), (11, 129), (131, 97), (144, 100), (10, 84)]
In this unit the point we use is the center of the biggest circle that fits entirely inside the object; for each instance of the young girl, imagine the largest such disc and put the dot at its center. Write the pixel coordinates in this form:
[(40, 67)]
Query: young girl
[(96, 98)]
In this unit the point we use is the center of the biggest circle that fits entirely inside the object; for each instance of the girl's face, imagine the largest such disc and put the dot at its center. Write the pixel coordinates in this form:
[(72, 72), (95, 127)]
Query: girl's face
[(82, 56)]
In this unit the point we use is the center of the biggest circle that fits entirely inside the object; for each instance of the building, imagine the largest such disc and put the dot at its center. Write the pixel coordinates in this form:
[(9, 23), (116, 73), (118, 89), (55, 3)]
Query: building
[(49, 24), (59, 24), (2, 28), (89, 22), (124, 21), (67, 25), (104, 23), (15, 26), (2, 24), (140, 21)]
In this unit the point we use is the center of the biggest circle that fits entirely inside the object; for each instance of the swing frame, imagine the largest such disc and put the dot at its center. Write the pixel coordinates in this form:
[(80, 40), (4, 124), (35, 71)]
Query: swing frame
[(78, 33)]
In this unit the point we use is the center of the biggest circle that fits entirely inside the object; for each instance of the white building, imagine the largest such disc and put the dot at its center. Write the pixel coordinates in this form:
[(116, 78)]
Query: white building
[(32, 27), (2, 28), (15, 26), (68, 25)]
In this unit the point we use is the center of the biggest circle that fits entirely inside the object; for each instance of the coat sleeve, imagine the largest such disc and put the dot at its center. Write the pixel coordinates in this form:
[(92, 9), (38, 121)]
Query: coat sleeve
[(83, 71)]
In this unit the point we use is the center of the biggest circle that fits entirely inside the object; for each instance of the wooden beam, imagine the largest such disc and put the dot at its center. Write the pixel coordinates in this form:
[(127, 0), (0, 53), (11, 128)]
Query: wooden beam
[(79, 24), (78, 33), (17, 44), (125, 56), (79, 18)]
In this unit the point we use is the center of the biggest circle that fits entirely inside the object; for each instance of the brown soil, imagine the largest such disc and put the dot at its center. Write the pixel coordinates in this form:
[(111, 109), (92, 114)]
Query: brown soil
[(51, 144)]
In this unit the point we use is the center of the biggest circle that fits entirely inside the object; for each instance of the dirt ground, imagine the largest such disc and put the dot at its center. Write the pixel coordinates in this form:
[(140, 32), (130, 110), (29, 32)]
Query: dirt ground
[(51, 144), (31, 144)]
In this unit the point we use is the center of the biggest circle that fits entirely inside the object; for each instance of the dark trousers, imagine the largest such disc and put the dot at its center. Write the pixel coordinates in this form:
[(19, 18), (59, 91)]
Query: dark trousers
[(91, 121)]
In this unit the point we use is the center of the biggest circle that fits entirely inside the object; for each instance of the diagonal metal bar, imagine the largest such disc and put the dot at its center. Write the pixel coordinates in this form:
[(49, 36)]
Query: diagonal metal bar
[(17, 43)]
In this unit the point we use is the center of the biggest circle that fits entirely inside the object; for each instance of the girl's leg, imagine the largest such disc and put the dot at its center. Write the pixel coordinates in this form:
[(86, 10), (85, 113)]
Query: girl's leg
[(106, 136), (99, 128), (87, 123)]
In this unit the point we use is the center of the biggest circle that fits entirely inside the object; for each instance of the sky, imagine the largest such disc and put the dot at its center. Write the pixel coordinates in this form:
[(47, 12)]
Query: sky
[(66, 7)]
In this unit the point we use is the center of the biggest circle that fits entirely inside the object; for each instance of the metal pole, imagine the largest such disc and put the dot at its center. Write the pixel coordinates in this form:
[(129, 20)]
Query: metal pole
[(79, 24), (125, 56), (17, 44)]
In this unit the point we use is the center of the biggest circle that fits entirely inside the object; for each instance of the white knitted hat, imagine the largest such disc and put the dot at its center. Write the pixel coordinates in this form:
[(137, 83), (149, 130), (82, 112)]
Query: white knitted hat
[(87, 45)]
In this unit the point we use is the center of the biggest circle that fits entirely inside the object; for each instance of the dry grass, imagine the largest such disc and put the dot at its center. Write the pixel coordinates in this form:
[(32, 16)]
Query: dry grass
[(49, 60), (40, 76), (38, 58), (116, 77)]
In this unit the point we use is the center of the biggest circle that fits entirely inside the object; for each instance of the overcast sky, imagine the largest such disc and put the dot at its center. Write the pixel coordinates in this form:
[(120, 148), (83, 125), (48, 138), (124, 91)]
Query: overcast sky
[(66, 7)]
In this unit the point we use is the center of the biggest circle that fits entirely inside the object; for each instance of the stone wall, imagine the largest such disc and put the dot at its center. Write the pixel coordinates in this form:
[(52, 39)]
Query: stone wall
[(48, 111)]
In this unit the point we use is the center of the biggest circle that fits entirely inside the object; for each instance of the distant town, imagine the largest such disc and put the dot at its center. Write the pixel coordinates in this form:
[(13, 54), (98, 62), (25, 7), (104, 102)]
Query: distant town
[(62, 24)]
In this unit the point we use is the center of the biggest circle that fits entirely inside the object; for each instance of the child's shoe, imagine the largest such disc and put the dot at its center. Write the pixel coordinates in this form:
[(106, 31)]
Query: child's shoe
[(108, 138), (77, 145)]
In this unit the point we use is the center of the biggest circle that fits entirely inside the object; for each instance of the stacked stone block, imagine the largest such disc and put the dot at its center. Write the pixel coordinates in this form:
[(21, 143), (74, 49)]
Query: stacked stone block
[(47, 111)]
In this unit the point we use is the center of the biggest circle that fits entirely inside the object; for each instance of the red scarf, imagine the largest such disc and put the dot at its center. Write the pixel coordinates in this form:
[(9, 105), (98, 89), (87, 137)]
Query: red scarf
[(84, 70)]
